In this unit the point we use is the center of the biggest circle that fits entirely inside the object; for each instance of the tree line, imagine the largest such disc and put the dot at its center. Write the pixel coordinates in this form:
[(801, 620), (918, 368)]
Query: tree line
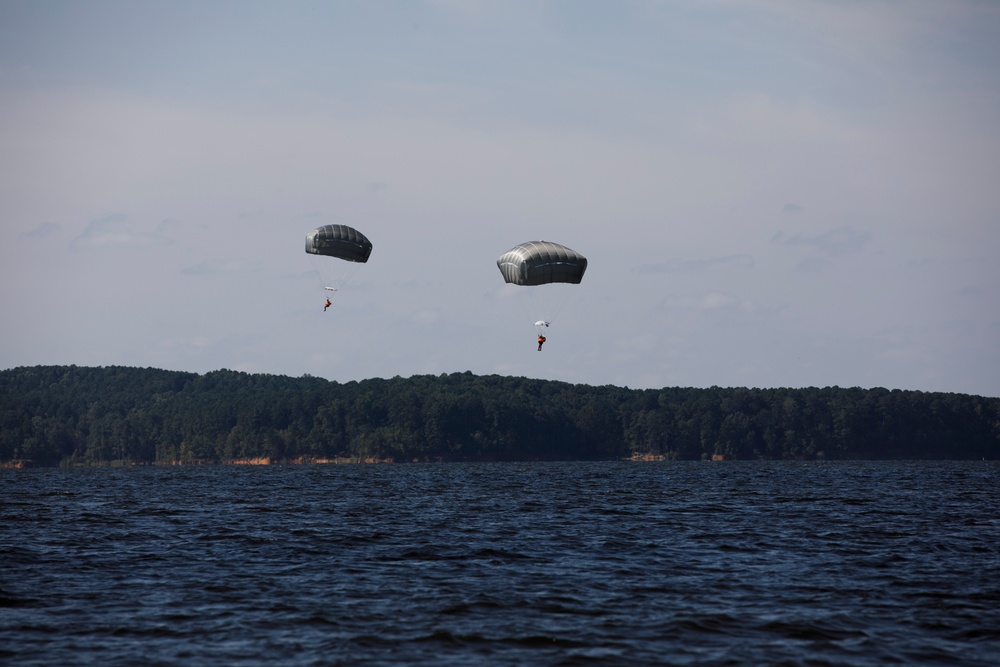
[(70, 415)]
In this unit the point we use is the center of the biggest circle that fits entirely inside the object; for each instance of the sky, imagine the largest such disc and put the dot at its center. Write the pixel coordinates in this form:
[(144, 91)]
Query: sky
[(769, 194)]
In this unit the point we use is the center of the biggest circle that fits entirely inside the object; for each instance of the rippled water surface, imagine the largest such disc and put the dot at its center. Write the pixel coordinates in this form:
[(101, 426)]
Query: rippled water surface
[(509, 564)]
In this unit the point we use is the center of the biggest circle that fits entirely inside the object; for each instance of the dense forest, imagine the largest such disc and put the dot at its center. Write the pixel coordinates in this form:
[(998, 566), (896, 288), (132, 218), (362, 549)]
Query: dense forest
[(70, 415)]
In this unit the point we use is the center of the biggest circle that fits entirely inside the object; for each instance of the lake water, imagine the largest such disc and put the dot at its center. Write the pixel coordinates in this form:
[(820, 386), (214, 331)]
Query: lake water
[(613, 563)]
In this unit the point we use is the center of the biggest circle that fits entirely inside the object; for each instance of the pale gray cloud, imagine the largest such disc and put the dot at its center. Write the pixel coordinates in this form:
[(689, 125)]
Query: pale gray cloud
[(675, 265), (215, 267), (116, 231), (813, 265), (710, 301), (720, 302), (43, 230), (167, 226), (972, 291), (841, 241)]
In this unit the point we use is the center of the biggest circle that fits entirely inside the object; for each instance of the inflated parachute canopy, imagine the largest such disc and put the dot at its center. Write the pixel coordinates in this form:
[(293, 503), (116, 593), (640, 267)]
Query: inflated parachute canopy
[(540, 263), (339, 241)]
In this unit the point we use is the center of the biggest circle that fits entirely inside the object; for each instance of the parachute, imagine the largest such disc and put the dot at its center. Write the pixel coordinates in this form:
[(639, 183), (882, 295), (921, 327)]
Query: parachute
[(336, 252), (542, 263), (339, 241), (547, 269)]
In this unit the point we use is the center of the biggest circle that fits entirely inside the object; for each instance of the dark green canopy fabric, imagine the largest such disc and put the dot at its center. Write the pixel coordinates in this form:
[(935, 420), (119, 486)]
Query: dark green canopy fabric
[(540, 263), (339, 241)]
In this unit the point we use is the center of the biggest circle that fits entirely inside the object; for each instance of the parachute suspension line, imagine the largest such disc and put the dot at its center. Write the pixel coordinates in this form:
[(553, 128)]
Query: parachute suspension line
[(315, 269), (332, 276), (559, 295), (344, 277), (523, 298), (543, 305)]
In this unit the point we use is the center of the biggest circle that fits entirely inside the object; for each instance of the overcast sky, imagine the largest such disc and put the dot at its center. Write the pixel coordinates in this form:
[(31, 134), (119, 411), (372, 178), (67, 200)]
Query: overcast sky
[(770, 194)]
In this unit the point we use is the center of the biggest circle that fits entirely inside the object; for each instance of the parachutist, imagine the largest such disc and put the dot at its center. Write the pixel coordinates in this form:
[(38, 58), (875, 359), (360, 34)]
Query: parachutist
[(328, 304), (541, 339)]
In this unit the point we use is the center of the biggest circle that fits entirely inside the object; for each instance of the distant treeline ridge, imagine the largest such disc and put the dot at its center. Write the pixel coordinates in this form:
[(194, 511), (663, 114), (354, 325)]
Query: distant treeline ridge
[(70, 415)]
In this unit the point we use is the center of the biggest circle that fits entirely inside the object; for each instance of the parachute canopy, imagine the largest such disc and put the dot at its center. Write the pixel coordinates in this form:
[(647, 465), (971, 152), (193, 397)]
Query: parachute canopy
[(540, 263), (339, 241)]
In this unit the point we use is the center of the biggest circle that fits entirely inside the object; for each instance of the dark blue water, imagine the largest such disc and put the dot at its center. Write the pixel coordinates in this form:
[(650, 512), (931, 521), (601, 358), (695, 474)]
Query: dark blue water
[(733, 563)]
